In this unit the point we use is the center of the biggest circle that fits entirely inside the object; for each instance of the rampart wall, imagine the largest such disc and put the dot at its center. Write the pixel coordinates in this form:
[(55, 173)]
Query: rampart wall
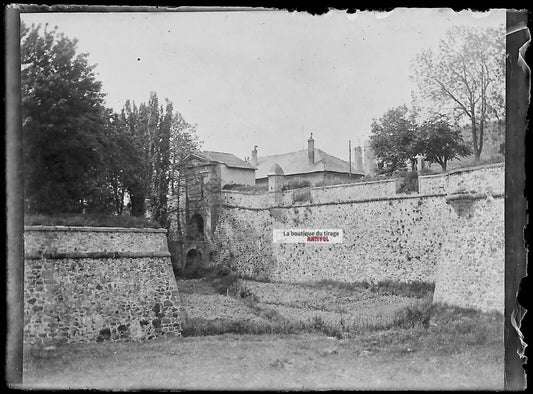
[(450, 233), (86, 284)]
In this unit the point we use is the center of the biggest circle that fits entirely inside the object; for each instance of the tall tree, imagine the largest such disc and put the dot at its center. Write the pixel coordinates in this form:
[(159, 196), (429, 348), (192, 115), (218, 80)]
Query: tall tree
[(441, 143), (161, 165), (63, 120), (466, 77), (394, 139), (159, 139), (137, 179), (121, 156)]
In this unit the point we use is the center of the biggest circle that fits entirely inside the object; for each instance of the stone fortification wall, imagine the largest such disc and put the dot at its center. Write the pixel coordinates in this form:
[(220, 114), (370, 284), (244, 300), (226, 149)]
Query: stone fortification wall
[(68, 239), (433, 184), (96, 284), (316, 195), (471, 270), (248, 200), (429, 236), (486, 178), (353, 191), (383, 239)]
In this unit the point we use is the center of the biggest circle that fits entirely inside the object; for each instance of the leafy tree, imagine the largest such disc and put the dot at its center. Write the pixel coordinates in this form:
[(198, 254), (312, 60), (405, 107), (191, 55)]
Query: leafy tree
[(120, 160), (161, 165), (138, 175), (183, 141), (159, 140), (466, 77), (394, 139), (440, 143), (62, 124)]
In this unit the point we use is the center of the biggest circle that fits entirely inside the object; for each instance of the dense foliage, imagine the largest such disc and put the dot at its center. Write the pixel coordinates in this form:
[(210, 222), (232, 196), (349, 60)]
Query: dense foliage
[(397, 139), (63, 123), (441, 143), (80, 157), (394, 139)]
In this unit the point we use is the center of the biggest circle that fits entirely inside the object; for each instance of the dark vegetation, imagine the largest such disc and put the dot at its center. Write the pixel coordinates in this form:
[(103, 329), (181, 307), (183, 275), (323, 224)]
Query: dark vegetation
[(408, 182), (246, 188), (81, 157), (92, 220), (415, 289), (296, 184)]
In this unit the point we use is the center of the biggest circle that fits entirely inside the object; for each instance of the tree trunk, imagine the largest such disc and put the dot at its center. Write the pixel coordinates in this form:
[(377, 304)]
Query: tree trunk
[(481, 132), (476, 149), (137, 203)]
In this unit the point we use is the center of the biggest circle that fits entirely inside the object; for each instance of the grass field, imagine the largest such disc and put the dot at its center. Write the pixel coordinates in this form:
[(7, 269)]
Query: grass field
[(386, 360), (240, 334)]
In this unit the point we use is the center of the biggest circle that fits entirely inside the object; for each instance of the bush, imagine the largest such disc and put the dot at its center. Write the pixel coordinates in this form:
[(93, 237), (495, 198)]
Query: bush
[(413, 316), (245, 188), (408, 182), (296, 184)]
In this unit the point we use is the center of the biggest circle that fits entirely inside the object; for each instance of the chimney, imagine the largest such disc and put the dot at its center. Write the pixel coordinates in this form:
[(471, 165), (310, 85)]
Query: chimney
[(311, 149), (358, 159), (369, 162), (254, 156)]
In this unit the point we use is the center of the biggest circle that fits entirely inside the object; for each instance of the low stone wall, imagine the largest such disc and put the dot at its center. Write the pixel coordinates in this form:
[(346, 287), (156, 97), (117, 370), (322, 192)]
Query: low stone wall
[(353, 191), (66, 239), (485, 178), (96, 284), (249, 200), (317, 195)]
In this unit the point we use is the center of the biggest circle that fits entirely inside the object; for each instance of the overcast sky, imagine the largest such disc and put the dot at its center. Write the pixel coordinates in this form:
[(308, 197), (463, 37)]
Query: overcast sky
[(263, 78)]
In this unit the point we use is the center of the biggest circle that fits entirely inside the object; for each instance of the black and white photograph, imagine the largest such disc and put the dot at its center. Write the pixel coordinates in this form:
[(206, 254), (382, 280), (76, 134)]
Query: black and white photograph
[(264, 199)]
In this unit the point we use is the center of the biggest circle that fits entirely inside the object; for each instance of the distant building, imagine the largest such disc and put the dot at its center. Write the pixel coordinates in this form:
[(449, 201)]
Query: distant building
[(312, 165), (227, 167)]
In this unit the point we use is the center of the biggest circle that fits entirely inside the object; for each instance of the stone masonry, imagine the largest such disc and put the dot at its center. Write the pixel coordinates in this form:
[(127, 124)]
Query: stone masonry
[(451, 233), (98, 284)]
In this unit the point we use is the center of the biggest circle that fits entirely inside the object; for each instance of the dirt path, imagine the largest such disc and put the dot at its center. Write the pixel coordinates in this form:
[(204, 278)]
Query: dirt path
[(226, 362)]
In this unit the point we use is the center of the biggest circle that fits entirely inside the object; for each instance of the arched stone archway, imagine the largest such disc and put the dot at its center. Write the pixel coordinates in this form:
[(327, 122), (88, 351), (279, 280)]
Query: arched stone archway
[(193, 259)]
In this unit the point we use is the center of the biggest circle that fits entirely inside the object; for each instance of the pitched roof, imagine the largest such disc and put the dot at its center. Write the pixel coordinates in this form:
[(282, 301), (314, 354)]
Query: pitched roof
[(298, 163), (225, 158)]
